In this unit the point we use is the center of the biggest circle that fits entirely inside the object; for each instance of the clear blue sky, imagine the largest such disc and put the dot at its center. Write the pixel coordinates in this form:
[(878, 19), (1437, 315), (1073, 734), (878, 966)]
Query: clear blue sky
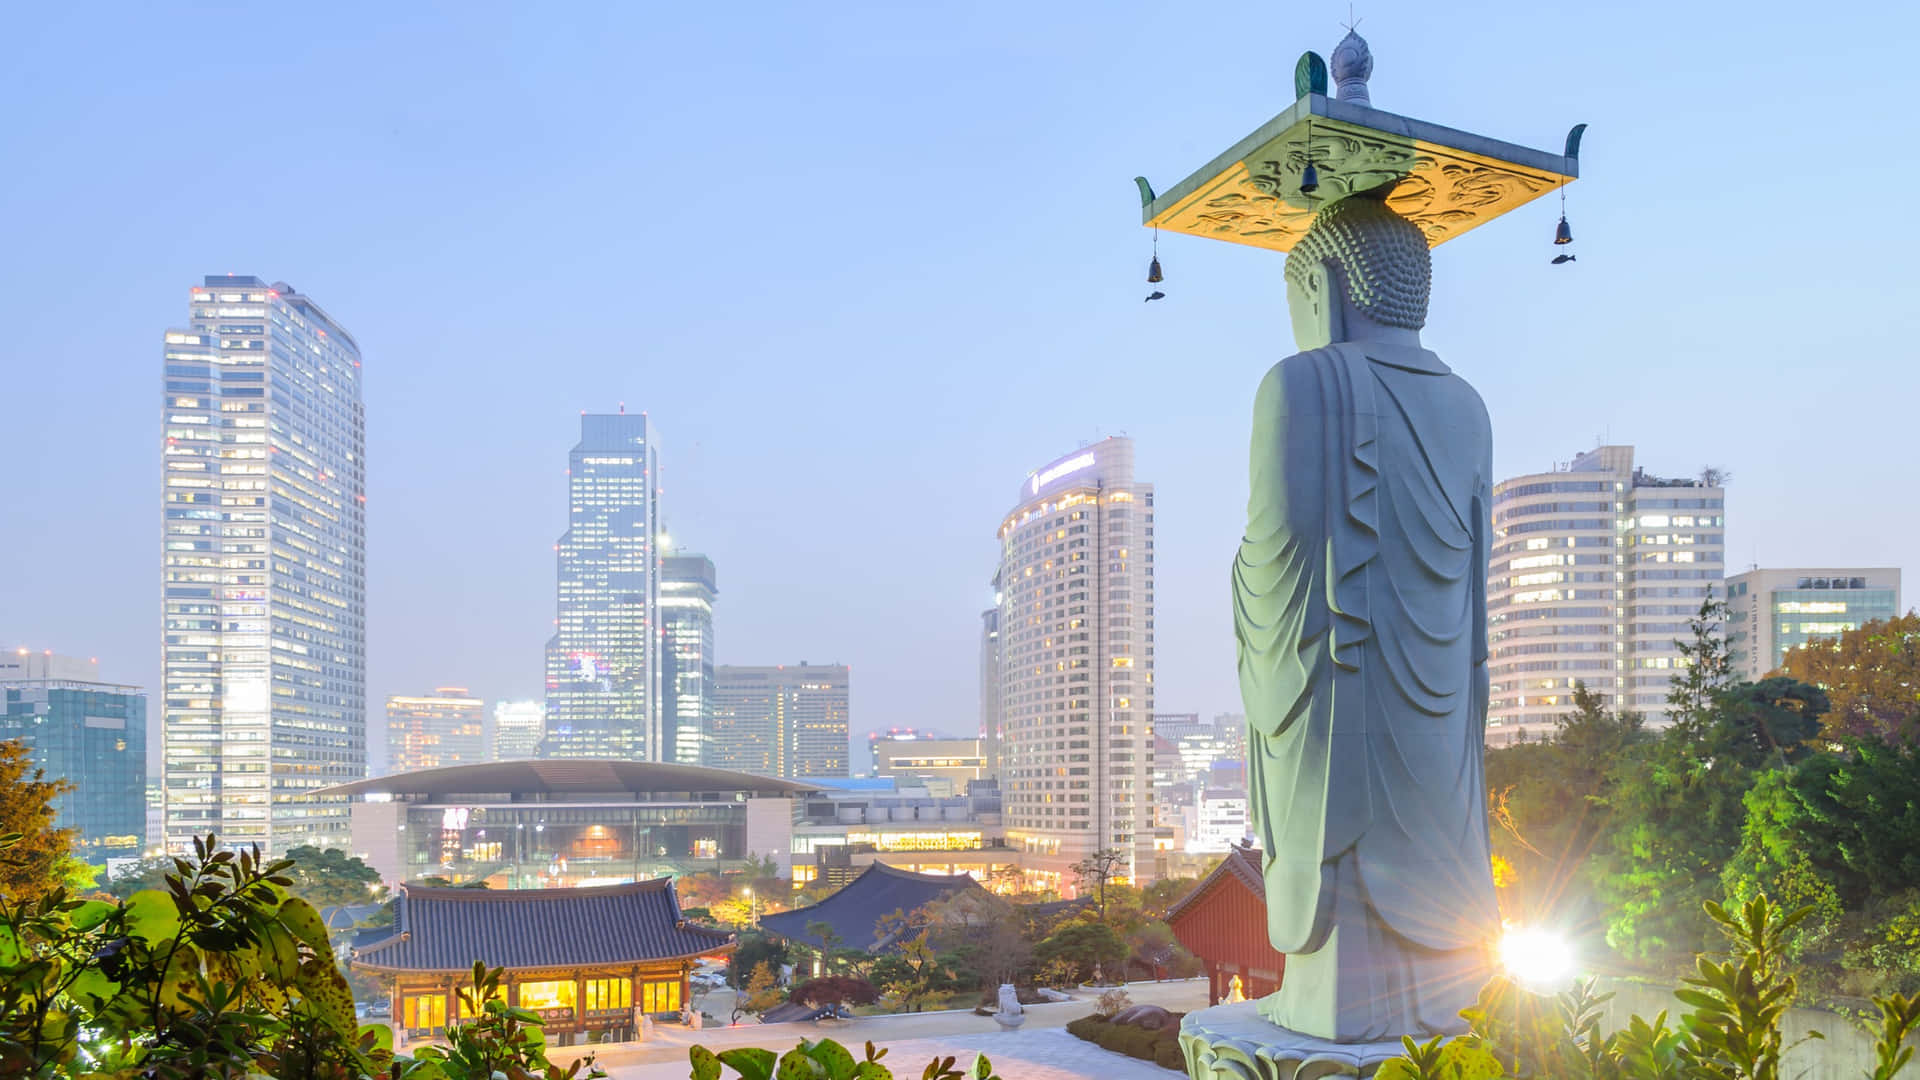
[(865, 265)]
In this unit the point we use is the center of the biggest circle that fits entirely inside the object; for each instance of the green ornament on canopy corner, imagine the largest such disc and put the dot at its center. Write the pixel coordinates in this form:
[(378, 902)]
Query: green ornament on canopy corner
[(1309, 75)]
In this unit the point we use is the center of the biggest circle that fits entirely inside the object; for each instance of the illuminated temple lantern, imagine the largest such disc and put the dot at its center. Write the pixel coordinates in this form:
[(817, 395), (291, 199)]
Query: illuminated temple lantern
[(589, 961)]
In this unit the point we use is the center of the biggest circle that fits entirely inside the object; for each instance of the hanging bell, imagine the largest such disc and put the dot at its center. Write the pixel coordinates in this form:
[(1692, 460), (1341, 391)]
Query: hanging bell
[(1153, 272), (1309, 180), (1563, 234)]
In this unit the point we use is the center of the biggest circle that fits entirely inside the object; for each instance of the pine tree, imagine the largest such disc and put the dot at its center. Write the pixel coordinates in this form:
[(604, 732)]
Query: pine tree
[(1706, 665)]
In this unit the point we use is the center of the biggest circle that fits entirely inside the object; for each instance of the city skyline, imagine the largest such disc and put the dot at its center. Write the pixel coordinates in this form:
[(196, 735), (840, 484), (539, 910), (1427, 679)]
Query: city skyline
[(417, 194)]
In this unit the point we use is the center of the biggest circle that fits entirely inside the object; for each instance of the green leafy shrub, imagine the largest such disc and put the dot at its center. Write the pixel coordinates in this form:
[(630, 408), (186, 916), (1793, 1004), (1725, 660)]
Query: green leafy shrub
[(220, 974), (822, 1059), (1731, 1029), (1161, 1047)]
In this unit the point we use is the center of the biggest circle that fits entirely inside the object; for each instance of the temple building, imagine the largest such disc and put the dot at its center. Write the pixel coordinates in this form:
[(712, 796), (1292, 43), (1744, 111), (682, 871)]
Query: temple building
[(855, 911), (589, 961), (1223, 921)]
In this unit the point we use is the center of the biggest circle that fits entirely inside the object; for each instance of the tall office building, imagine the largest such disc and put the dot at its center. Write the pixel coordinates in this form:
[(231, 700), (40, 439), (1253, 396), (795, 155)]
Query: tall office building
[(687, 591), (518, 727), (446, 727), (1595, 571), (990, 689), (603, 663), (1770, 612), (789, 721), (264, 591), (1076, 647), (87, 732)]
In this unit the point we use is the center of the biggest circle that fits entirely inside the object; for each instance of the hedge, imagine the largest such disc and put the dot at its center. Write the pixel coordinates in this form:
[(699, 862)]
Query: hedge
[(1160, 1047)]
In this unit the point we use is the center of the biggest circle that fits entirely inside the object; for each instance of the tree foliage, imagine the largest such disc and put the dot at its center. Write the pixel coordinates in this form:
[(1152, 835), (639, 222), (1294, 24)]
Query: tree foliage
[(221, 973), (41, 858), (1096, 872), (1086, 946), (1871, 676), (331, 877)]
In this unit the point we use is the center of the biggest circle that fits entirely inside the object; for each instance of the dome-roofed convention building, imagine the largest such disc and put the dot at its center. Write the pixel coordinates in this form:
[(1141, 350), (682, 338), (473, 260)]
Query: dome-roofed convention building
[(573, 822)]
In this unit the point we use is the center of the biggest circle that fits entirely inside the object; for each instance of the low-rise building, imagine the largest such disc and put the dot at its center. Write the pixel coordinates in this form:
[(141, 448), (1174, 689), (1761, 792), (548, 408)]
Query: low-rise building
[(589, 962), (569, 822), (940, 764), (1772, 612), (848, 826)]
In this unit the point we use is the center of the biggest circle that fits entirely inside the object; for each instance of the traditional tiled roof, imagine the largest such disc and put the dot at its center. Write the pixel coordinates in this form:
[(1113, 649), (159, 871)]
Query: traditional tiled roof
[(1242, 864), (438, 929), (856, 910)]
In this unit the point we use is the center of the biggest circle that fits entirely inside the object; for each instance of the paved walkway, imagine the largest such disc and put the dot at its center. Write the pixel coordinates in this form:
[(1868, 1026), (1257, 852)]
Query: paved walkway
[(1042, 1054), (1038, 1051)]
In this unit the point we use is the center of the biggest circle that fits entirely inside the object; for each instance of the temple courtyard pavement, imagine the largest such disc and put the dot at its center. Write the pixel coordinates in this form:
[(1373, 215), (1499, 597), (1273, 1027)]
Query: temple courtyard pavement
[(1040, 1050)]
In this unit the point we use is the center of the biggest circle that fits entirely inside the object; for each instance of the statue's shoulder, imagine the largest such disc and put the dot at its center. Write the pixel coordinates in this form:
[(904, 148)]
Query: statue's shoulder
[(1309, 368)]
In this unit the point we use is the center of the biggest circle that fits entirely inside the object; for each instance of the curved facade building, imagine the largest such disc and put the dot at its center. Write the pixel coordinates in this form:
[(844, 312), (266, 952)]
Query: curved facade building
[(1076, 665), (1594, 574)]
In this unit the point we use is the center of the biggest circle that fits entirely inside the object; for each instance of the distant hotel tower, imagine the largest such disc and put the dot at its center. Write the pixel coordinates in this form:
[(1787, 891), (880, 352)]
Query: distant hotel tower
[(603, 662), (687, 592), (1594, 573), (787, 721), (446, 727), (264, 590), (1076, 663)]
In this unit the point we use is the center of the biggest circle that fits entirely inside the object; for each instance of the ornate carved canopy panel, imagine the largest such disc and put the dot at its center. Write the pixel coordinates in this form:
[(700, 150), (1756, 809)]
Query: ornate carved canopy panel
[(1444, 181)]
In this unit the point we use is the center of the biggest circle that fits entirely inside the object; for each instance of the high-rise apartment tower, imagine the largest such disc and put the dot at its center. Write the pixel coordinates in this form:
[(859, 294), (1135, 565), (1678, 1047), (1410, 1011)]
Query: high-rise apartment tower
[(1076, 663), (264, 579), (1595, 571), (603, 662)]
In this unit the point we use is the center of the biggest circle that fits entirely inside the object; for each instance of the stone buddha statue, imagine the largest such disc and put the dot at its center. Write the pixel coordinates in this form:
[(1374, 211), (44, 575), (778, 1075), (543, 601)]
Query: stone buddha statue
[(1360, 613)]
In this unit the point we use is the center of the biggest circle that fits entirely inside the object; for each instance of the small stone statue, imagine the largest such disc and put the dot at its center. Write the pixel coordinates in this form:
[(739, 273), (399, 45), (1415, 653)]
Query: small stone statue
[(1360, 612), (1009, 1015), (1235, 991)]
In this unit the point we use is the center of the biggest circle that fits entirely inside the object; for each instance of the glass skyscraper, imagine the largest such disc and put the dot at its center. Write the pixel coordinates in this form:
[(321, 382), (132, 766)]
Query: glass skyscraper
[(90, 733), (687, 592), (264, 569), (603, 662)]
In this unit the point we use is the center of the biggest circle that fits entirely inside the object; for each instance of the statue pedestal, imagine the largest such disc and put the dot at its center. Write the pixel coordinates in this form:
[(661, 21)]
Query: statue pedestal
[(1234, 1042)]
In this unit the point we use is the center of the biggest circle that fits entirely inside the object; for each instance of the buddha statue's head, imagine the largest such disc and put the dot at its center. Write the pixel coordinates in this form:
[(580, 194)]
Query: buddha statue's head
[(1361, 273)]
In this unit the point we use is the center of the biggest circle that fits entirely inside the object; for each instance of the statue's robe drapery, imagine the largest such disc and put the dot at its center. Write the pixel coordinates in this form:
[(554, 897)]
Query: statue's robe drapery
[(1360, 611)]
